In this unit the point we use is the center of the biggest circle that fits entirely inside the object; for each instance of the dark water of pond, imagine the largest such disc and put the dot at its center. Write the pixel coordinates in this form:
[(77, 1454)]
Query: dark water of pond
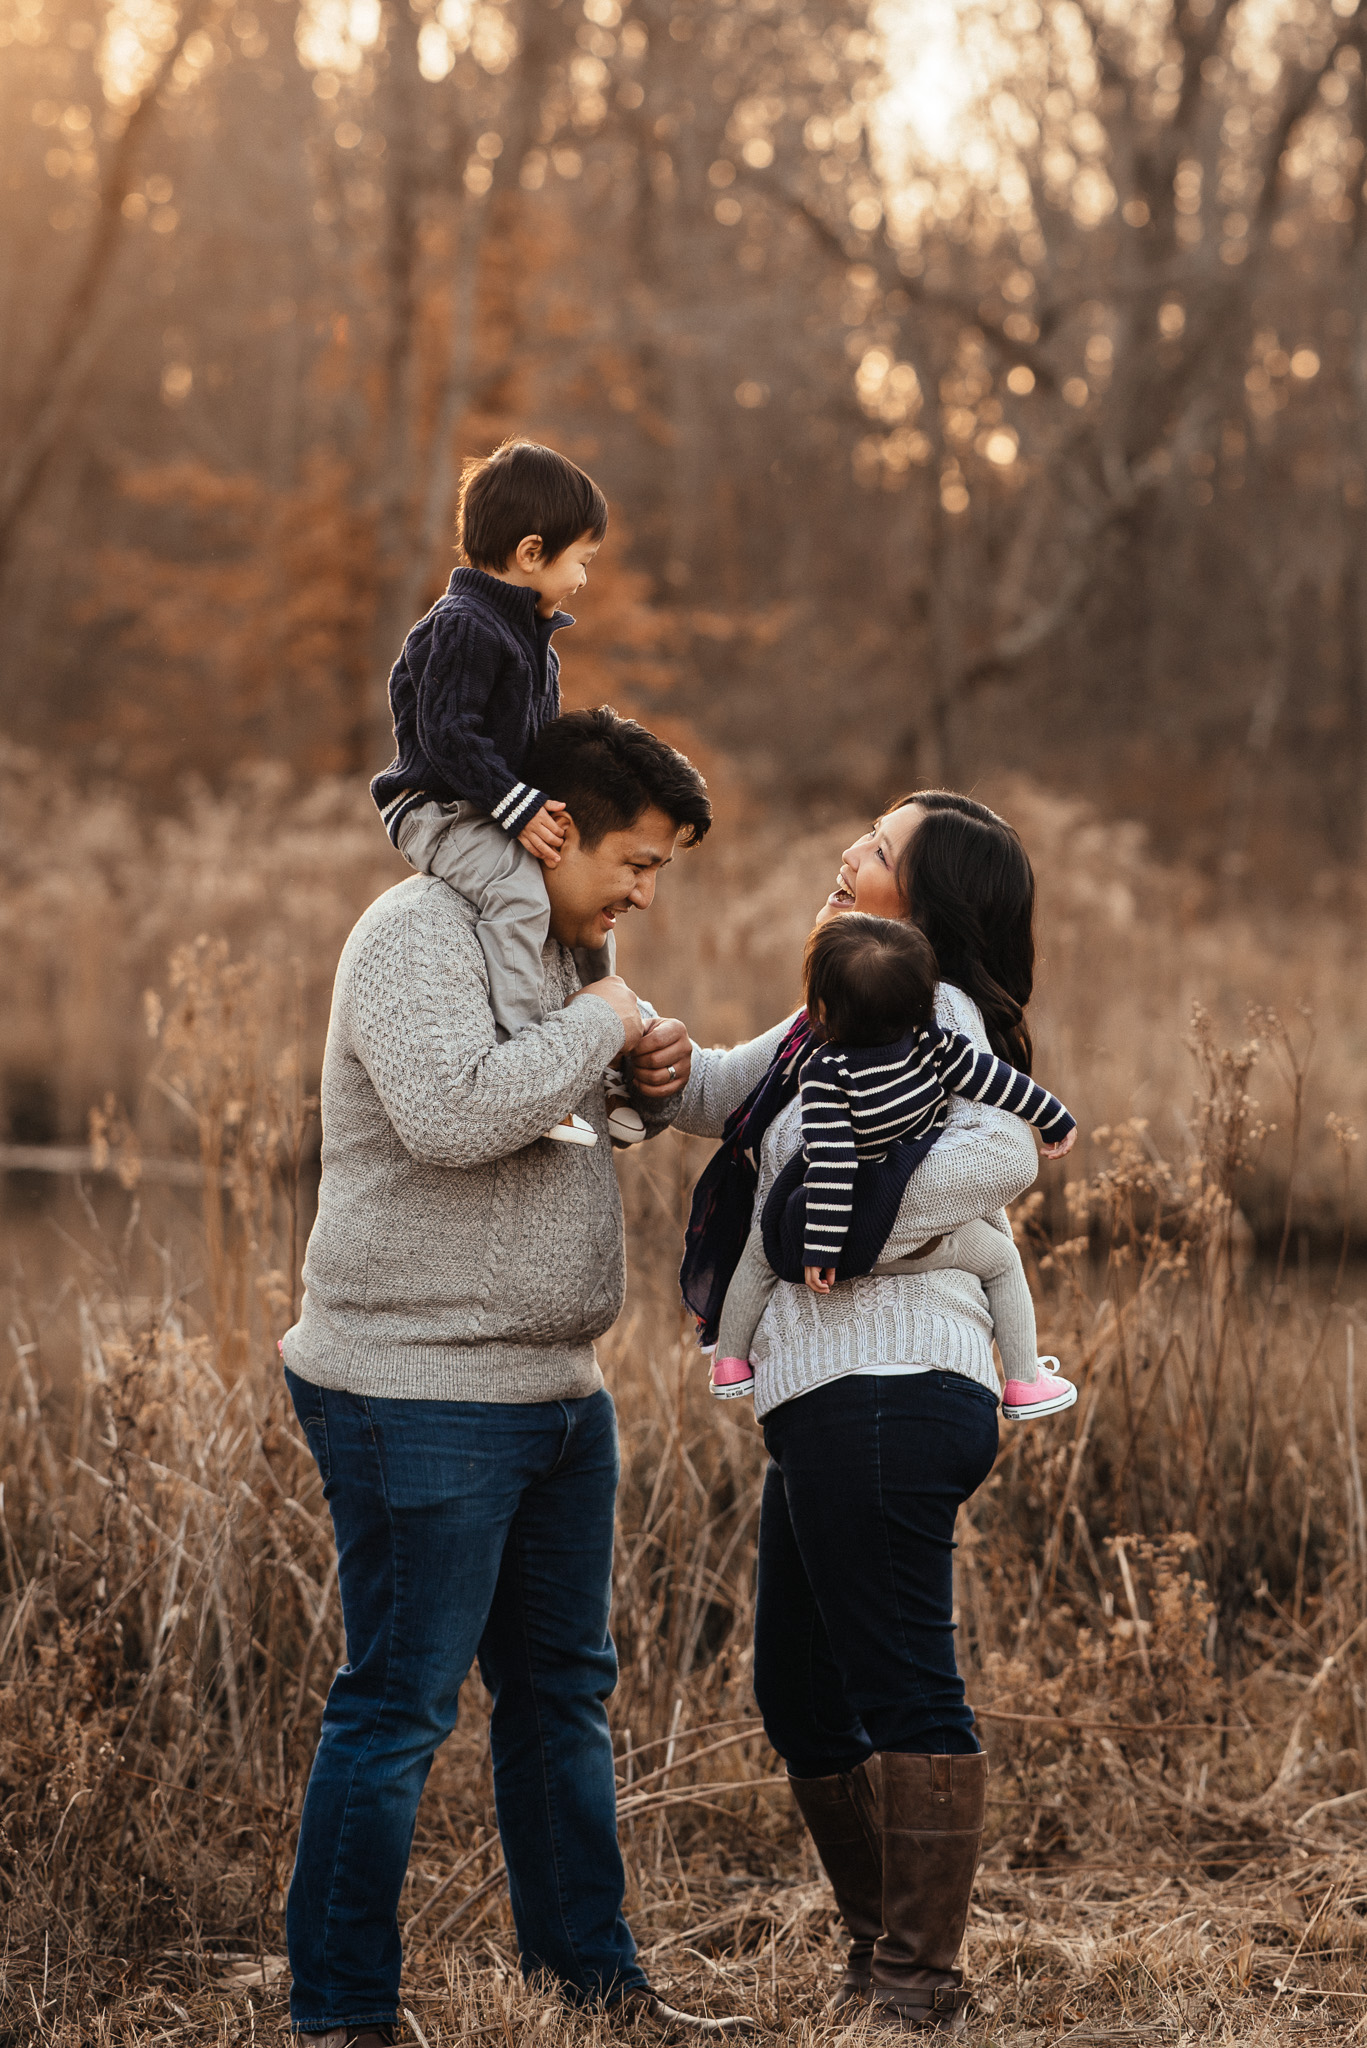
[(67, 1245)]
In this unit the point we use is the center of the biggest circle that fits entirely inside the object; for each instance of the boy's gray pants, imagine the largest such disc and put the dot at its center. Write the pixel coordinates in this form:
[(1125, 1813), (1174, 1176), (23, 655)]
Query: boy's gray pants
[(975, 1248), (462, 846)]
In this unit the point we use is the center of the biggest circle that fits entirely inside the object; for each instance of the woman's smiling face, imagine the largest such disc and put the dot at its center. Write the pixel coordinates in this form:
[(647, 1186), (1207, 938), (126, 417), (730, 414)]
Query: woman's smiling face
[(868, 869)]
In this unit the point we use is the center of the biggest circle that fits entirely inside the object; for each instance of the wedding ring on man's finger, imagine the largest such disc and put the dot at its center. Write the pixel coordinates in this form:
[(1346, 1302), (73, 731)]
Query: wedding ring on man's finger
[(673, 1073)]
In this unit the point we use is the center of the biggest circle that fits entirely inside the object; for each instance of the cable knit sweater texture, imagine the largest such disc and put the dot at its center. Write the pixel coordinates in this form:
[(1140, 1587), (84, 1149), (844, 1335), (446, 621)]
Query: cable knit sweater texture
[(458, 1255), (983, 1159)]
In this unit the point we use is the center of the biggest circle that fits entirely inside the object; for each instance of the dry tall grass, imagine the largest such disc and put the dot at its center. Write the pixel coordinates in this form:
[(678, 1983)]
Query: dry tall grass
[(1161, 1597), (96, 896)]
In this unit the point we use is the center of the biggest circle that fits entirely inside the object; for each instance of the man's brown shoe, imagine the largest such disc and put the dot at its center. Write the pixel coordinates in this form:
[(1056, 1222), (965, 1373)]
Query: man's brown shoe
[(367, 2036), (643, 2004)]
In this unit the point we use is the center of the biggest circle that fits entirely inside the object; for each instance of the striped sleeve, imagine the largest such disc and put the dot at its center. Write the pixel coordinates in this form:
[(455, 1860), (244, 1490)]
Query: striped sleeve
[(517, 808), (982, 1077), (828, 1138)]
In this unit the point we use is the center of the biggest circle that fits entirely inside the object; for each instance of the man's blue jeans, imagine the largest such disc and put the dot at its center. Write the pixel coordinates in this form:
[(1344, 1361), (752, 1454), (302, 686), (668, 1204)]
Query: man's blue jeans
[(464, 1529)]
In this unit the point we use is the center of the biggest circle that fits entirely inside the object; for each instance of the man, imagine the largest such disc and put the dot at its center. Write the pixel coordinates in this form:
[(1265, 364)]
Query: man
[(443, 1371)]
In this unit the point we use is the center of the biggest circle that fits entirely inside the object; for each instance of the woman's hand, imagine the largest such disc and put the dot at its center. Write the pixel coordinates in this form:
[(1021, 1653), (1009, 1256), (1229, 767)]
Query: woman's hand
[(1063, 1145), (613, 991), (821, 1279), (661, 1062)]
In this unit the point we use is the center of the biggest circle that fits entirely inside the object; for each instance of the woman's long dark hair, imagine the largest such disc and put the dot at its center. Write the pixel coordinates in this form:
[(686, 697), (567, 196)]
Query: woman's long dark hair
[(968, 883)]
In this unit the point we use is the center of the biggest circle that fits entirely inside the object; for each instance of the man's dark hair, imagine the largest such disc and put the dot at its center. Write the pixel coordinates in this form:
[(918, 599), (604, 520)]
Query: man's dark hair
[(523, 488), (610, 769), (869, 980)]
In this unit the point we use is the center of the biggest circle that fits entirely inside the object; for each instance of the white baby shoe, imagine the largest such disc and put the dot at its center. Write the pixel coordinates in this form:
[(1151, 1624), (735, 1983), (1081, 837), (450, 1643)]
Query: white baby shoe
[(625, 1125), (572, 1130)]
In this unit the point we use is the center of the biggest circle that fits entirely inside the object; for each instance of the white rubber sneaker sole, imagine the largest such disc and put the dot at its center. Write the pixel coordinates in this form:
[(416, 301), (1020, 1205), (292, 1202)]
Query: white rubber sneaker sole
[(576, 1132), (625, 1126)]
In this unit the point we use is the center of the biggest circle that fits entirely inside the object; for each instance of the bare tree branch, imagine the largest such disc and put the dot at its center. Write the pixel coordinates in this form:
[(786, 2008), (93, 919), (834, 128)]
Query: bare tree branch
[(884, 260), (1010, 648), (76, 340)]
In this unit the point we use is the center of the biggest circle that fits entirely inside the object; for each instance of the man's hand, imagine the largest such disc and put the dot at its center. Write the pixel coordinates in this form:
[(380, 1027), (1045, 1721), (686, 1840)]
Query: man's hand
[(544, 832), (1063, 1145), (661, 1062), (821, 1279), (613, 991)]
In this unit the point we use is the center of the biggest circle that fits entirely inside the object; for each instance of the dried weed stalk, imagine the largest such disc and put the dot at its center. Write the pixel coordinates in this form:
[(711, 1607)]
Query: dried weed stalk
[(1160, 1615)]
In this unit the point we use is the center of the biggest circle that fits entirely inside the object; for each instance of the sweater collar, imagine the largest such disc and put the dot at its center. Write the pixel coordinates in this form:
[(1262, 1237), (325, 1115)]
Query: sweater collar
[(513, 600)]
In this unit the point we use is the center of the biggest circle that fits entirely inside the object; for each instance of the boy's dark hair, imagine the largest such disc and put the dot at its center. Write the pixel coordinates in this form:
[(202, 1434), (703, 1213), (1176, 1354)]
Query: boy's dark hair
[(610, 769), (873, 977), (524, 488)]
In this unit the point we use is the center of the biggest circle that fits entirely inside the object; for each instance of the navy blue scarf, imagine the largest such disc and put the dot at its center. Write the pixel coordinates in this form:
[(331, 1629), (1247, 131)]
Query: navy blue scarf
[(724, 1198)]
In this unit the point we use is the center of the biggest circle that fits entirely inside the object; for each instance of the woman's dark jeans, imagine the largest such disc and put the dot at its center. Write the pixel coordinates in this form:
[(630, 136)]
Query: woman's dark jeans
[(854, 1630), (464, 1529)]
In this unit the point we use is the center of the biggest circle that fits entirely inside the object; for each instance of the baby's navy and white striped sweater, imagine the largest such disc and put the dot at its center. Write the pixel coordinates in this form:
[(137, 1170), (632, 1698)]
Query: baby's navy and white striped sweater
[(859, 1100)]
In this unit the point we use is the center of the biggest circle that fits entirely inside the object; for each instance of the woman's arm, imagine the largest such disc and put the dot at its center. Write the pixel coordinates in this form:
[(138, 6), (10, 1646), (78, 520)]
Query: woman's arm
[(721, 1079), (983, 1159)]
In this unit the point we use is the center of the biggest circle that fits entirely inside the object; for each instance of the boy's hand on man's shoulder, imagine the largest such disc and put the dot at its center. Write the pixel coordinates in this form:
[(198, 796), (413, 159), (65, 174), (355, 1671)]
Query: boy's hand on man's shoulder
[(544, 832)]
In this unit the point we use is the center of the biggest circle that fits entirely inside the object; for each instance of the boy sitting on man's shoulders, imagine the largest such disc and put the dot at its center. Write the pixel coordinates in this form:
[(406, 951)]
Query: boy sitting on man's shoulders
[(477, 680)]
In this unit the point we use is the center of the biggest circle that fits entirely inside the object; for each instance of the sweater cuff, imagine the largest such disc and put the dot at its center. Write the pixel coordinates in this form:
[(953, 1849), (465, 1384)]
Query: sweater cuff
[(577, 1002), (517, 807), (1058, 1127)]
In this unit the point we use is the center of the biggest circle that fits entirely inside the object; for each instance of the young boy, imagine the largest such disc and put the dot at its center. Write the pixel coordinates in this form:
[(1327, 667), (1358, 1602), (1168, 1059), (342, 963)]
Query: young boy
[(882, 1074), (475, 683)]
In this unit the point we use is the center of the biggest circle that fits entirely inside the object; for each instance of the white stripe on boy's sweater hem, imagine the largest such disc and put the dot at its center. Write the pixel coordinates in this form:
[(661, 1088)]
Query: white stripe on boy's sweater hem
[(512, 796), (395, 813), (521, 812)]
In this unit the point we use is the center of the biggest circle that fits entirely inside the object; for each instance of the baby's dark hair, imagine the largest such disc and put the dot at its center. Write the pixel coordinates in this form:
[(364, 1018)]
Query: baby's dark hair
[(523, 488), (869, 980)]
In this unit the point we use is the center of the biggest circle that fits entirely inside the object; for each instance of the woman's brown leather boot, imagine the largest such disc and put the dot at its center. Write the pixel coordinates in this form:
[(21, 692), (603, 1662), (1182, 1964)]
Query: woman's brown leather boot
[(932, 1810), (842, 1819)]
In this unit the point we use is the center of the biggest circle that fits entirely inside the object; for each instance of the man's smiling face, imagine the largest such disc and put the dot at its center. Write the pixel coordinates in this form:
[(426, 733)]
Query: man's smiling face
[(595, 886)]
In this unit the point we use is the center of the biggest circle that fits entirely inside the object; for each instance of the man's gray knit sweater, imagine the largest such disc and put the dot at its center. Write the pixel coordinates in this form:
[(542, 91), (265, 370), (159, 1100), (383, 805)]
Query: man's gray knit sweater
[(458, 1255)]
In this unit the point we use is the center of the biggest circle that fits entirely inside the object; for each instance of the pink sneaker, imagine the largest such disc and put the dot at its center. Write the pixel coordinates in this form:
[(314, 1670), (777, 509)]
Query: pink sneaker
[(1026, 1400), (732, 1378)]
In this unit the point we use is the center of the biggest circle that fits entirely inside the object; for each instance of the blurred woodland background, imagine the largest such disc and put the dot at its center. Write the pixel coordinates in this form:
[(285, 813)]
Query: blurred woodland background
[(979, 392), (978, 389), (975, 386)]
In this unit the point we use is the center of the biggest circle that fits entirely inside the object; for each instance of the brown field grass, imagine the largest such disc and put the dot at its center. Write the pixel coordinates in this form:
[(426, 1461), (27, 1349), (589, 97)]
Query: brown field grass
[(1161, 1598)]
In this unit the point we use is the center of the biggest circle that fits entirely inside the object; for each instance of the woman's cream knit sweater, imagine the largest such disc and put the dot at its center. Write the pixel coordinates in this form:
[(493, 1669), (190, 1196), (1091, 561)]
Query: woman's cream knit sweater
[(983, 1159)]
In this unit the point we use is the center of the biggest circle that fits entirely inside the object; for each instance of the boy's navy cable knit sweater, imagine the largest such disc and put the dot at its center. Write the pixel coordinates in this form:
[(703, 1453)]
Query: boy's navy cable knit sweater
[(477, 680)]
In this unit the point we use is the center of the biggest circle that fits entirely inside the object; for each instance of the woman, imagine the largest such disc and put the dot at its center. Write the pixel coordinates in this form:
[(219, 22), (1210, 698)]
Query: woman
[(879, 1407)]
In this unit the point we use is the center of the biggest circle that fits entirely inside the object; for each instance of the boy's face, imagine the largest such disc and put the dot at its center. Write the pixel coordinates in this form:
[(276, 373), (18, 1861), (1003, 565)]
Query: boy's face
[(593, 887), (558, 580)]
